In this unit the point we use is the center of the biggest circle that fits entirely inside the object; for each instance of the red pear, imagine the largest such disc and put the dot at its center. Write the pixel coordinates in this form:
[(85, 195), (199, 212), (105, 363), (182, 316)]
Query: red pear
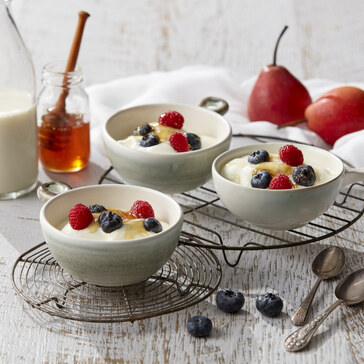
[(337, 113), (277, 95)]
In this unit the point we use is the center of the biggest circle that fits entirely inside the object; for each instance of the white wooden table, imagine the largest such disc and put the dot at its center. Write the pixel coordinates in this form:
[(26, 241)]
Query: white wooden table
[(130, 37)]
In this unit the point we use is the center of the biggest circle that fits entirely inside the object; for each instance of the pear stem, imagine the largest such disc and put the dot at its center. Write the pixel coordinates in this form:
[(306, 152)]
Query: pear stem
[(292, 123), (277, 43)]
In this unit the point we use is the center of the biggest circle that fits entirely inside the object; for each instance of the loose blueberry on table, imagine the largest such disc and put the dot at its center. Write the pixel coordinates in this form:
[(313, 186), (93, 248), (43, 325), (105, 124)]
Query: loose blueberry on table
[(269, 304), (229, 300), (199, 326)]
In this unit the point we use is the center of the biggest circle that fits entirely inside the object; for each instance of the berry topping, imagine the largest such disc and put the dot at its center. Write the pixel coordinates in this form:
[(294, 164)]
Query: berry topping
[(96, 208), (109, 221), (194, 141), (80, 217), (142, 209), (259, 156), (269, 304), (149, 140), (291, 155), (199, 326), (142, 130), (304, 175), (261, 180), (179, 142), (229, 300), (172, 119), (152, 224), (280, 182)]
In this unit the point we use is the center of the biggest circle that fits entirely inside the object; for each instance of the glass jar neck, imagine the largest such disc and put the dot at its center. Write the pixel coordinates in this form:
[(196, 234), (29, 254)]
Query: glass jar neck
[(53, 75)]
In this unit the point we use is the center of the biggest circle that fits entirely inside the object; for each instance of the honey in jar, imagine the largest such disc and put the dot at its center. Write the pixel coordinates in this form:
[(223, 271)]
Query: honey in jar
[(63, 120)]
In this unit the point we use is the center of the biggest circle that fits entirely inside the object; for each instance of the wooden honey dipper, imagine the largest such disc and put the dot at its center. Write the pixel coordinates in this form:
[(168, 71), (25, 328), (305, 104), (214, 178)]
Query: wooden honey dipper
[(56, 116), (60, 106)]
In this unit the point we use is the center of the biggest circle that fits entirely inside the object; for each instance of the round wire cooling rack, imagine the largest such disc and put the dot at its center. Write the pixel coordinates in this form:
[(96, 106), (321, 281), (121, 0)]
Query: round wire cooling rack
[(202, 208), (189, 276)]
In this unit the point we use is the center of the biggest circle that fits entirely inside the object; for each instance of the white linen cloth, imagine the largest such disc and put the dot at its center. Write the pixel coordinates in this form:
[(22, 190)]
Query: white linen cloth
[(190, 84)]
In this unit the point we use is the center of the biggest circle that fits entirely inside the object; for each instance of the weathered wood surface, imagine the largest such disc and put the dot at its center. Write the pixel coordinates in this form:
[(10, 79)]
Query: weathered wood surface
[(131, 37)]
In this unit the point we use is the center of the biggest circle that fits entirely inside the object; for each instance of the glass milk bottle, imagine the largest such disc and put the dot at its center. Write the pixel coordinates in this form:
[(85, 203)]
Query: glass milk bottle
[(18, 131)]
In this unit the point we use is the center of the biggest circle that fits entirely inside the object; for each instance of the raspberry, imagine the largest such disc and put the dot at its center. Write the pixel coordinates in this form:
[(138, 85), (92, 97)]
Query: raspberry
[(291, 155), (80, 217), (179, 142), (280, 182), (142, 209), (171, 118)]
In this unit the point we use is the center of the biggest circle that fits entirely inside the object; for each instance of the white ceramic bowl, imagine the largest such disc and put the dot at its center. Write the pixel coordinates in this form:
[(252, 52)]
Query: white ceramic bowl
[(169, 173), (282, 209), (111, 263)]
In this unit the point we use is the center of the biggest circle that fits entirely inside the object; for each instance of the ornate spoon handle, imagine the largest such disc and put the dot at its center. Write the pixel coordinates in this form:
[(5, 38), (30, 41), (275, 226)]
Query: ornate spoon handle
[(300, 316), (301, 337)]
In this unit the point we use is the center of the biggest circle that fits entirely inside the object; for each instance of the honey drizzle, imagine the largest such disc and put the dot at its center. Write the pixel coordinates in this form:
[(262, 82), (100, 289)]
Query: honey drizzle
[(133, 227), (163, 132), (273, 168)]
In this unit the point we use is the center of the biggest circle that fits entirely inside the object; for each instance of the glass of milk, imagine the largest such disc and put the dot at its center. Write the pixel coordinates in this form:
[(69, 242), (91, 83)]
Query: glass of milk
[(18, 131)]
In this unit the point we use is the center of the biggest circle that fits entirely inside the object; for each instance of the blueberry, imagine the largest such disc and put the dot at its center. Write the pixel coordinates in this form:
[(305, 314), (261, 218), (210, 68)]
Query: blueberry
[(194, 141), (258, 156), (199, 326), (96, 208), (152, 224), (261, 180), (142, 130), (304, 175), (229, 300), (149, 140), (269, 304), (109, 221)]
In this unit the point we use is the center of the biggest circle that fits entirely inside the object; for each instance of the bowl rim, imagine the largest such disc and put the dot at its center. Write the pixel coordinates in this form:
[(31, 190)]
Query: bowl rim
[(188, 154), (102, 244), (260, 146)]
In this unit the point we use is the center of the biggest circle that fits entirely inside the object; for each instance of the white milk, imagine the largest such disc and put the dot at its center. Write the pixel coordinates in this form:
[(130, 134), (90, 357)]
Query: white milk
[(18, 142)]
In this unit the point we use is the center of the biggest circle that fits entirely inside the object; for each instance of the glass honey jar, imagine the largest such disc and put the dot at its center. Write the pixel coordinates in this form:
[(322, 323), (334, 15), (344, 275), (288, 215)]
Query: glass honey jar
[(63, 120)]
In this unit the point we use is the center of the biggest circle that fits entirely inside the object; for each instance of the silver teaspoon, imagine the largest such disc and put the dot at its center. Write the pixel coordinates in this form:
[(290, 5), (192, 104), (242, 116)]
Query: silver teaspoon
[(350, 290), (328, 264)]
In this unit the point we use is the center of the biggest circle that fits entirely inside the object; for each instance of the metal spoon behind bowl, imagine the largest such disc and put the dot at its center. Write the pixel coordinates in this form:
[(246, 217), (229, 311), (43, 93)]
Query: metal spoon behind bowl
[(350, 290), (327, 264)]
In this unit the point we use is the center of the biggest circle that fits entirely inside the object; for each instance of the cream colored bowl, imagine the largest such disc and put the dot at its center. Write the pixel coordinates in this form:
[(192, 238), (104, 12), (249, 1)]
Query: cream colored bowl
[(111, 263), (169, 173), (282, 209)]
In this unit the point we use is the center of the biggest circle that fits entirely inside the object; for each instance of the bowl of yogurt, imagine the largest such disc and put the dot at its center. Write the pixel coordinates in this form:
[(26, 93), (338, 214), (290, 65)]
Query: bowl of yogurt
[(151, 160), (110, 243), (311, 186)]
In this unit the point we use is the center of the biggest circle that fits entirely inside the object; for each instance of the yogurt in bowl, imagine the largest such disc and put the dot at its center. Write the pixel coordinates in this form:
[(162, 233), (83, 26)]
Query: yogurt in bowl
[(108, 260), (112, 224), (281, 209), (160, 167), (241, 170), (158, 138)]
